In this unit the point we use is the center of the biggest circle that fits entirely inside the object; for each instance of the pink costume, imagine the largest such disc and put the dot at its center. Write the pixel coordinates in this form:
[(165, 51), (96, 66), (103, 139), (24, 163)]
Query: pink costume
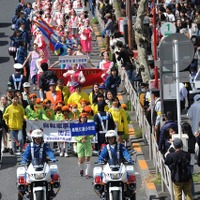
[(72, 77), (106, 67), (58, 18), (42, 45), (86, 38)]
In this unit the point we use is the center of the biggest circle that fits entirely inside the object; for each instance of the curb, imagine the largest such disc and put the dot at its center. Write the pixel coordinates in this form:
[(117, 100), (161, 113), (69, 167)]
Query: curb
[(97, 33), (143, 169)]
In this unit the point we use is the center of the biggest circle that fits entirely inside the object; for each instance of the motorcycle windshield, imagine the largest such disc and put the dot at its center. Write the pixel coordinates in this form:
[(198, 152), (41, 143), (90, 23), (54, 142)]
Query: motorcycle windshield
[(37, 162), (114, 162)]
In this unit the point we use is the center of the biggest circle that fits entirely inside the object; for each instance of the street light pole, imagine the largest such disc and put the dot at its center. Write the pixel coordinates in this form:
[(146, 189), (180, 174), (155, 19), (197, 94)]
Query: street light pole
[(155, 44)]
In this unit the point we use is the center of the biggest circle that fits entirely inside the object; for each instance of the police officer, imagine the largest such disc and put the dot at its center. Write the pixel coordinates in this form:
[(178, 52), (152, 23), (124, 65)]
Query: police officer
[(17, 79), (103, 122)]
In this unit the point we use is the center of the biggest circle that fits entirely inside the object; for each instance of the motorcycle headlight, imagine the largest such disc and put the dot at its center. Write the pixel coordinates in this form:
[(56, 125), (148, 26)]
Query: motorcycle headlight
[(39, 176), (115, 176)]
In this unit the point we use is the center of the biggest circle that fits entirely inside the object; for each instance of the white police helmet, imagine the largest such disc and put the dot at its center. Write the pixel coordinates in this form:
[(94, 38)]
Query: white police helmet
[(111, 133), (37, 133)]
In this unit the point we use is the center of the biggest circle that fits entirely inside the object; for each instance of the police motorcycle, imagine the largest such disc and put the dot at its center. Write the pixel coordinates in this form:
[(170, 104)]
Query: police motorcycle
[(114, 181), (37, 181)]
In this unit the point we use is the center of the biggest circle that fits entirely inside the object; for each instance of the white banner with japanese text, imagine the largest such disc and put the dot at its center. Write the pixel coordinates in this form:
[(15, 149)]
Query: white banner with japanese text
[(60, 131)]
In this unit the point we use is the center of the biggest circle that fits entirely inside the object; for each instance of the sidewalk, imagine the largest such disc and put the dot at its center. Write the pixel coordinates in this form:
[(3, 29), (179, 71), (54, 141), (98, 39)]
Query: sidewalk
[(150, 187)]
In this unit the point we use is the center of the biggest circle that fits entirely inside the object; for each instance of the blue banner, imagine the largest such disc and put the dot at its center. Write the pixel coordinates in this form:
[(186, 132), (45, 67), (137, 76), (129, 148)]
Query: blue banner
[(82, 129)]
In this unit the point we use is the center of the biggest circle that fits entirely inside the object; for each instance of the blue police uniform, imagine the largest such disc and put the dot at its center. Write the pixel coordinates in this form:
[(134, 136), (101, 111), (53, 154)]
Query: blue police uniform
[(123, 153), (34, 151)]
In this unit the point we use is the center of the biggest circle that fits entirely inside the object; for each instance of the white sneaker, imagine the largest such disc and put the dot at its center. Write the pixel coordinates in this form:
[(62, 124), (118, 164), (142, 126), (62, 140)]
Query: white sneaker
[(61, 154), (66, 155)]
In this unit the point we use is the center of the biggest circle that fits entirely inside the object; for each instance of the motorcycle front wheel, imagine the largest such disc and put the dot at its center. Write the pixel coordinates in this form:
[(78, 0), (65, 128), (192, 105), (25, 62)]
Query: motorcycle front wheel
[(133, 197), (115, 195), (20, 196), (39, 195)]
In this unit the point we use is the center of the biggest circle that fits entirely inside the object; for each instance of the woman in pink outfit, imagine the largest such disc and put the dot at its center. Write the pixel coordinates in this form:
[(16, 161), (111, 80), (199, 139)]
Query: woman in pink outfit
[(86, 37), (105, 65), (73, 76), (42, 45), (33, 56)]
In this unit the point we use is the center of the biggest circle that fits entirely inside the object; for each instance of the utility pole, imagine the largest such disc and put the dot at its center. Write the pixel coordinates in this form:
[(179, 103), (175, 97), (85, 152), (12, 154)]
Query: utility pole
[(155, 43), (130, 28)]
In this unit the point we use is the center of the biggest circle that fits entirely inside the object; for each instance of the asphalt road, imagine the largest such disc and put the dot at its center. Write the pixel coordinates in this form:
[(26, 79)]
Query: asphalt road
[(74, 187)]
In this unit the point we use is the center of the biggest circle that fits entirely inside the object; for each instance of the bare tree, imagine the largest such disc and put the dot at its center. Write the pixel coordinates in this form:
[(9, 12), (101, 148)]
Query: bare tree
[(141, 41)]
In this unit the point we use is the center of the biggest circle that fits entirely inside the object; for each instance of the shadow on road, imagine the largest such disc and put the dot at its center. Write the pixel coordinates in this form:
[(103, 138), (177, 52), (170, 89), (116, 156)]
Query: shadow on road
[(2, 35), (4, 59), (0, 196), (3, 43), (8, 161), (3, 25)]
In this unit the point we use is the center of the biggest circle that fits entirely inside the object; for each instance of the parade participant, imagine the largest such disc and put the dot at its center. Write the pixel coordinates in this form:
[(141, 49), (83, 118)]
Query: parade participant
[(73, 76), (9, 94), (113, 81), (64, 89), (42, 45), (66, 111), (119, 117), (110, 150), (47, 111), (33, 56), (83, 103), (103, 122), (84, 148), (53, 95), (14, 117), (58, 16), (38, 149), (67, 65), (26, 92), (86, 38), (25, 35), (14, 43), (99, 98), (74, 23), (102, 89), (62, 114), (74, 112), (45, 78), (17, 79), (21, 55), (47, 18), (89, 111), (94, 93), (42, 59), (105, 65), (33, 110), (78, 95), (58, 114)]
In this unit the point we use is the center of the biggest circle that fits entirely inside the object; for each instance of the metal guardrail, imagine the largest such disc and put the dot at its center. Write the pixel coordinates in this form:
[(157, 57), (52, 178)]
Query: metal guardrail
[(154, 152)]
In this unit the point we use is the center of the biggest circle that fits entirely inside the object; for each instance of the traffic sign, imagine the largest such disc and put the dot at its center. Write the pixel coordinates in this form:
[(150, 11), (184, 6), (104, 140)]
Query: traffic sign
[(185, 49), (167, 28)]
